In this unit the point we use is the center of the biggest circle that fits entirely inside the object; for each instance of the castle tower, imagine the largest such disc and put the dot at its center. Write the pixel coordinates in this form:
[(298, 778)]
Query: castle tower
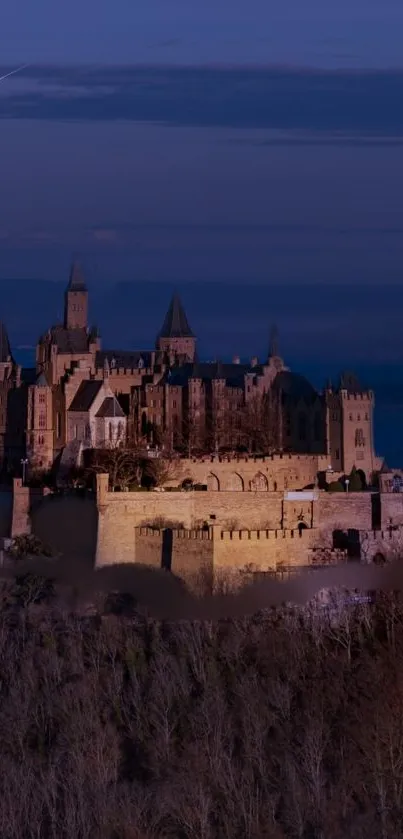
[(350, 417), (176, 338), (76, 300), (39, 442)]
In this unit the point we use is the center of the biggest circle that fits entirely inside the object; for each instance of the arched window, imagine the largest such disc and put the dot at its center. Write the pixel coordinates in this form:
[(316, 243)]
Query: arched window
[(110, 432), (359, 438)]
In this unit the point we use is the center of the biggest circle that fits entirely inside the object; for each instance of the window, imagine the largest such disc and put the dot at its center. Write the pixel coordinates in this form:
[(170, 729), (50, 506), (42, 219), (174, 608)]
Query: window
[(42, 420), (110, 432), (58, 424), (350, 417), (337, 454), (359, 417), (41, 398), (359, 438), (174, 404), (366, 417)]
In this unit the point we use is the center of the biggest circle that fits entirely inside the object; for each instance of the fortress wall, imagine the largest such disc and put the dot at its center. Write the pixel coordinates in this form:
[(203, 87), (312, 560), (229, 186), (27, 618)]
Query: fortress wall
[(262, 550), (391, 508), (193, 558), (344, 510), (23, 499), (286, 471)]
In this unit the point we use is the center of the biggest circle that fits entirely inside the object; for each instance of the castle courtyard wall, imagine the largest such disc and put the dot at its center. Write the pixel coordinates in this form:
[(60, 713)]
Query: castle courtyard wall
[(275, 472)]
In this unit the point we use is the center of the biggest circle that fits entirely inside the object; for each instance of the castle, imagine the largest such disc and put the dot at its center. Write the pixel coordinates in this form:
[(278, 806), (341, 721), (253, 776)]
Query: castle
[(82, 396)]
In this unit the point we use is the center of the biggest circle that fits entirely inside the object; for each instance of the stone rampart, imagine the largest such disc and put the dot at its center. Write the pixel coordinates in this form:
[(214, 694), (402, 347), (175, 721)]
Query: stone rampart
[(23, 499), (257, 474)]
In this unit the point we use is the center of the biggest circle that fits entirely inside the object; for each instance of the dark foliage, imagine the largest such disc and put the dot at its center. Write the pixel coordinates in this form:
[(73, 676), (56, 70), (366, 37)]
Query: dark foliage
[(284, 726)]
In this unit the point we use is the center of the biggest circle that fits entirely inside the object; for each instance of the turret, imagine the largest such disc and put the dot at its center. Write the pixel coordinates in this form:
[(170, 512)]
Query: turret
[(76, 300), (176, 338)]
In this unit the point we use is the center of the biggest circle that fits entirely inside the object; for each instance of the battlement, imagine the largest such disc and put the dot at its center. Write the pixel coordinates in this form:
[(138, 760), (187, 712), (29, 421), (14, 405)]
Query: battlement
[(366, 395), (270, 458), (129, 371), (177, 533), (304, 534)]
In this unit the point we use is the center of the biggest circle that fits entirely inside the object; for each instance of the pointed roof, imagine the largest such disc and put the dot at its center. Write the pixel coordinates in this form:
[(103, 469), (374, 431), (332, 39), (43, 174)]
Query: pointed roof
[(41, 380), (176, 324), (76, 279), (5, 349), (350, 382)]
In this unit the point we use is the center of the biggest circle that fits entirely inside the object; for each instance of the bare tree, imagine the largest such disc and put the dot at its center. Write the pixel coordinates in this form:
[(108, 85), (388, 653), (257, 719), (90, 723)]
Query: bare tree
[(162, 470), (125, 466), (260, 423)]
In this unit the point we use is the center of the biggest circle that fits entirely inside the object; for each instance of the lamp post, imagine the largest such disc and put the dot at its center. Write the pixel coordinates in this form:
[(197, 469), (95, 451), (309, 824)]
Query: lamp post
[(24, 464), (347, 484)]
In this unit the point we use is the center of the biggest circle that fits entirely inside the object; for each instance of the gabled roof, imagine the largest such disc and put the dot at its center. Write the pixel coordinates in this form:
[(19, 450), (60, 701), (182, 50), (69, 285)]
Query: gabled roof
[(294, 385), (85, 395), (110, 408), (5, 349), (176, 324), (76, 280), (71, 341), (128, 359)]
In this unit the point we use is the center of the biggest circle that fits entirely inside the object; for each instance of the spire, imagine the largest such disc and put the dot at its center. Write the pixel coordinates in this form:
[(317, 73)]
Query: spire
[(176, 324), (5, 349), (273, 343), (76, 280)]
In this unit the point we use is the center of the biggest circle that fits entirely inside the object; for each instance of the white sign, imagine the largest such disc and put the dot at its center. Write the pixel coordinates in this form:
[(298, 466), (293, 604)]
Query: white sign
[(303, 495)]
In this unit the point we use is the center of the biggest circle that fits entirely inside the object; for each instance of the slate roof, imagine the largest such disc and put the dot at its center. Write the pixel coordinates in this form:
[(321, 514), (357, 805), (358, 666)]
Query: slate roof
[(85, 395), (76, 279), (110, 408), (294, 385), (207, 371), (349, 382), (5, 349), (41, 380), (176, 324), (70, 341), (129, 359)]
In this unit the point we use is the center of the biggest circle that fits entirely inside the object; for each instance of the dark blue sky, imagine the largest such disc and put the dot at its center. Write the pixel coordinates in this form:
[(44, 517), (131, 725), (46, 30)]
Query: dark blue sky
[(262, 193)]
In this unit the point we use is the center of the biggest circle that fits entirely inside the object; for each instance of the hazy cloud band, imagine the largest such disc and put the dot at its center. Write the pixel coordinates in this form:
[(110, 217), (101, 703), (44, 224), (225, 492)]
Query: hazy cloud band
[(343, 104)]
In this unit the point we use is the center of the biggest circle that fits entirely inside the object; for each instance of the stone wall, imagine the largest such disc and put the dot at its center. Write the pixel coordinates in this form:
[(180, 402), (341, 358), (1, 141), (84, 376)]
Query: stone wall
[(345, 510), (23, 499), (201, 558), (278, 472)]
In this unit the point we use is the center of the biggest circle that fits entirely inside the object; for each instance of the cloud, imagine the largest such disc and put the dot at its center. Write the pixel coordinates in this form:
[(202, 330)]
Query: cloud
[(345, 106), (107, 235)]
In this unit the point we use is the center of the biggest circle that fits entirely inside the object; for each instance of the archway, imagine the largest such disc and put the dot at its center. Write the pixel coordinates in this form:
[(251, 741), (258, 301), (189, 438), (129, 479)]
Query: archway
[(234, 483), (379, 559), (213, 484), (259, 483)]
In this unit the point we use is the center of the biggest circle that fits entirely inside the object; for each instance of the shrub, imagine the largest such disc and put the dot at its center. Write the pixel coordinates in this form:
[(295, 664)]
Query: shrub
[(335, 486), (355, 482), (29, 545)]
